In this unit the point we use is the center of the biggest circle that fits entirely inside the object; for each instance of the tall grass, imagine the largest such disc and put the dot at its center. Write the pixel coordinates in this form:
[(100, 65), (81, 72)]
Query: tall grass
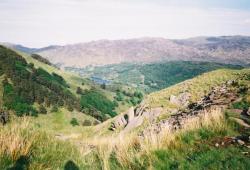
[(129, 151), (22, 146), (125, 151)]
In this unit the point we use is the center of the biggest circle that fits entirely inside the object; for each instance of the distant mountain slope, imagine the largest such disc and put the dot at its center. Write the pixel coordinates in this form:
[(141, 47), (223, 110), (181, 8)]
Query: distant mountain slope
[(150, 77), (226, 49), (24, 49)]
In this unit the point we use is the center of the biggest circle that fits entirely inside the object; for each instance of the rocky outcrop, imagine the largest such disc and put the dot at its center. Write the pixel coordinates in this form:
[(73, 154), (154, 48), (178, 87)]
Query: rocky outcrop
[(135, 117), (219, 97), (180, 100)]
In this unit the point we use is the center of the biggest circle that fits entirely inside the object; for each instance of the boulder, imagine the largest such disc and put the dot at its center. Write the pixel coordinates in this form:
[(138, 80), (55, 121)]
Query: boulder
[(180, 100), (248, 112), (135, 117), (122, 120)]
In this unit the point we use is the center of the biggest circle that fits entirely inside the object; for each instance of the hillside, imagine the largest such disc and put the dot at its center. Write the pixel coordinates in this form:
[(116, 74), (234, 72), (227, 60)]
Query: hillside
[(229, 49), (149, 77), (24, 85), (208, 132), (46, 87)]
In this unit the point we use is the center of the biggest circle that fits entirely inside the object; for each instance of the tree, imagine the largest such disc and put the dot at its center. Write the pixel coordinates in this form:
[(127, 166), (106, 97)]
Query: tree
[(79, 90), (103, 86)]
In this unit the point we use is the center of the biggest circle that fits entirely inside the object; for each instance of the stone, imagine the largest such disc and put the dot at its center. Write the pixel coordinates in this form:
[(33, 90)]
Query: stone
[(241, 142), (248, 112), (180, 100)]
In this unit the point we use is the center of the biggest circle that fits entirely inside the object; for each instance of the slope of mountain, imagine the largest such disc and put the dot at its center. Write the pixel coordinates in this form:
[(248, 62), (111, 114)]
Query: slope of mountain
[(34, 84), (205, 134), (225, 49), (25, 85), (149, 77)]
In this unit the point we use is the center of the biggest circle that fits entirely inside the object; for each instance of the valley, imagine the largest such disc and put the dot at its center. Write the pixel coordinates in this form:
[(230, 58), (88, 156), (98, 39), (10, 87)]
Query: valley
[(124, 85), (158, 115)]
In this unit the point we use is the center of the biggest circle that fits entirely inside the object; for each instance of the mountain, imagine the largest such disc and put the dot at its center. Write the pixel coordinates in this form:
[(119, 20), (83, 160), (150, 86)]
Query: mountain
[(224, 49), (27, 50)]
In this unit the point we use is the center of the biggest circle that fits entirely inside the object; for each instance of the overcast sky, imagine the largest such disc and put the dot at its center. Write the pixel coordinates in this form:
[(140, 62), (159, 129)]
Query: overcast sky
[(38, 23)]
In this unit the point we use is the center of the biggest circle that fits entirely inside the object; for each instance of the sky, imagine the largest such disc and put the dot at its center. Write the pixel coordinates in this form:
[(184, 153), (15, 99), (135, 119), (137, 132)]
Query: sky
[(39, 23)]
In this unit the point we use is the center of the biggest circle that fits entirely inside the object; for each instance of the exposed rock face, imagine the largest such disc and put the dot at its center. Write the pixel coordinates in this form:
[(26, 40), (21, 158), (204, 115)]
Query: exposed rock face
[(219, 97), (181, 100), (135, 117)]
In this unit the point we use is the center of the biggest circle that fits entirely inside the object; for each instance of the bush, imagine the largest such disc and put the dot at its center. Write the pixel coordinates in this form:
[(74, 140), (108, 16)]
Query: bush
[(74, 122), (42, 109), (87, 123), (54, 108), (119, 96), (96, 102)]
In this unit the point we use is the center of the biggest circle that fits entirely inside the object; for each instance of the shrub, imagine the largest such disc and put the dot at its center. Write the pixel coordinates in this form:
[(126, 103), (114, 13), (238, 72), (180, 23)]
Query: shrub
[(74, 122), (42, 109), (87, 123), (54, 108)]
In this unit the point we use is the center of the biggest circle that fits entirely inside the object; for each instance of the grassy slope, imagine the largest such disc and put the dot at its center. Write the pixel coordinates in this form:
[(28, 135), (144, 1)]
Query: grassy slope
[(190, 149), (59, 122), (75, 81), (198, 86)]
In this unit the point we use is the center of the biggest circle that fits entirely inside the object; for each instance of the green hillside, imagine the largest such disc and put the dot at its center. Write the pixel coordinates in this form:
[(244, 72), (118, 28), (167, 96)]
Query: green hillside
[(44, 87), (24, 85), (151, 77), (200, 144)]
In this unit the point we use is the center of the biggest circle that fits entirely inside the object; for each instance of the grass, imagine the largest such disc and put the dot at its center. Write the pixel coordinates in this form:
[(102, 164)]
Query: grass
[(132, 152), (31, 142), (205, 158), (22, 146), (190, 148), (59, 122), (198, 87)]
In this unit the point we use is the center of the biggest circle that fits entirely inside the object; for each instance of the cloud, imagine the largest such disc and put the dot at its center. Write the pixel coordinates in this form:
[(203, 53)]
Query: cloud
[(247, 21)]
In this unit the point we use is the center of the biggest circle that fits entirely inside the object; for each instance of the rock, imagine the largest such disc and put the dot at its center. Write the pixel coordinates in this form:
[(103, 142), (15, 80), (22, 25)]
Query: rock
[(231, 82), (244, 153), (248, 112), (241, 142), (122, 120), (181, 100)]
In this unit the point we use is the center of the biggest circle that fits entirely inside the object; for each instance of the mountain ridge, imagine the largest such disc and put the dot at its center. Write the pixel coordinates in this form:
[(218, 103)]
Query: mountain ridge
[(222, 49)]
